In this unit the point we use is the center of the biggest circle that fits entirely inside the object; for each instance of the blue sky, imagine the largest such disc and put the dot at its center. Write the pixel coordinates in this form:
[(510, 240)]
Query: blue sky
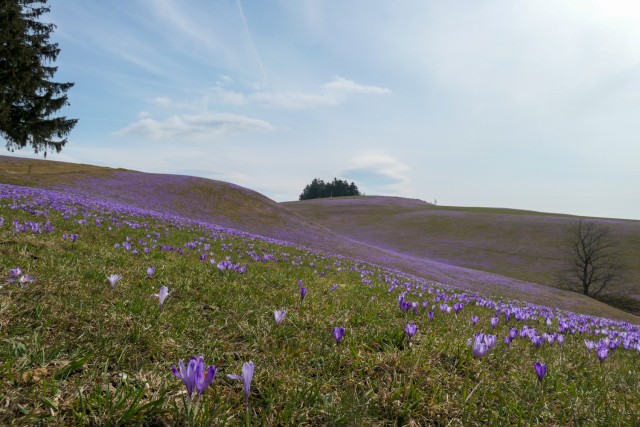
[(528, 104)]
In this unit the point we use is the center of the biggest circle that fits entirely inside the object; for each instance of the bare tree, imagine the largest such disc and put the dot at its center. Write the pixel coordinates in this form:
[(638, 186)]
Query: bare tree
[(594, 262)]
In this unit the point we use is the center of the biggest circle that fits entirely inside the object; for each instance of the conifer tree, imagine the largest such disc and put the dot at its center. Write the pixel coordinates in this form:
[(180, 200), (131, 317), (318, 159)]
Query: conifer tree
[(318, 189), (28, 97)]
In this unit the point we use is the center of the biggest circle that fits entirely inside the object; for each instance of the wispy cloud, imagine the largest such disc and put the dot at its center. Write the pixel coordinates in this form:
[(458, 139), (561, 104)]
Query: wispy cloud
[(328, 94), (251, 43), (228, 97), (197, 125), (378, 172), (296, 100), (162, 101), (184, 26), (342, 85)]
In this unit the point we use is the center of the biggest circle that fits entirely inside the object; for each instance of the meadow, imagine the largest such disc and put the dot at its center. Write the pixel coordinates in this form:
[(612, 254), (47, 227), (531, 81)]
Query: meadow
[(232, 206), (524, 245), (101, 299)]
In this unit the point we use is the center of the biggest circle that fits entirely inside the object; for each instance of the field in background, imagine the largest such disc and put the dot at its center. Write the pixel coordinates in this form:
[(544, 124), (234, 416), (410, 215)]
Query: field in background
[(524, 245), (229, 205)]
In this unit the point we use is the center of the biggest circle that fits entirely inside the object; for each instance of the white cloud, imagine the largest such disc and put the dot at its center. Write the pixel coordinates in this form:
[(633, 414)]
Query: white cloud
[(224, 80), (204, 124), (162, 101), (296, 100), (342, 85), (229, 97), (378, 172), (329, 94)]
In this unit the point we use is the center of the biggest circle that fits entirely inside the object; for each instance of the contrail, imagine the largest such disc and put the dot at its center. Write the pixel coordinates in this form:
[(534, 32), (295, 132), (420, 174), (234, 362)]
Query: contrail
[(253, 46)]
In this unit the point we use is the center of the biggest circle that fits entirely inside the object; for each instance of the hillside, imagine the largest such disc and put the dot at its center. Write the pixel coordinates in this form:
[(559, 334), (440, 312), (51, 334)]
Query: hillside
[(217, 202), (229, 205), (524, 245), (115, 315)]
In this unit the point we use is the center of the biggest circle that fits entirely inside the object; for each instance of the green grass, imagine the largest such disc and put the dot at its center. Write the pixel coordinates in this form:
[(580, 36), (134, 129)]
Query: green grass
[(73, 351), (523, 245), (394, 230)]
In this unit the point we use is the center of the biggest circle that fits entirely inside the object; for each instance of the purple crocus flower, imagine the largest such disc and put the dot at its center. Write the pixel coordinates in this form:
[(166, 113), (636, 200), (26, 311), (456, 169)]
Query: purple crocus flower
[(15, 272), (303, 293), (479, 349), (589, 344), (541, 370), (113, 279), (247, 376), (279, 315), (405, 305), (474, 319), (224, 265), (411, 330), (430, 314), (537, 341), (603, 353), (150, 272), (25, 280), (481, 343), (494, 322), (162, 295), (194, 375), (338, 333), (513, 333), (490, 340)]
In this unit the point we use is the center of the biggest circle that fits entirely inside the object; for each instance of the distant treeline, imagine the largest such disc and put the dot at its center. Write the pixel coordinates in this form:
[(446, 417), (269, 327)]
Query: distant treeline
[(318, 189)]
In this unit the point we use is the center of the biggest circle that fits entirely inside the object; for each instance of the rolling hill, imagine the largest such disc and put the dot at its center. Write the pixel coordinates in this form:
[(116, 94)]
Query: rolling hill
[(381, 231), (524, 245)]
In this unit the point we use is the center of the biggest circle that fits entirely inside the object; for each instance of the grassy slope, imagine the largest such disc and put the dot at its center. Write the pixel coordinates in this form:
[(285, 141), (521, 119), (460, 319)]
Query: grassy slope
[(524, 245), (233, 206), (76, 351), (217, 202)]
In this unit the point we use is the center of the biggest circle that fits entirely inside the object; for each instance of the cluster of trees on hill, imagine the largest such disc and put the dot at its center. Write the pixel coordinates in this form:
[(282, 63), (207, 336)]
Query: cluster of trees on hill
[(337, 188)]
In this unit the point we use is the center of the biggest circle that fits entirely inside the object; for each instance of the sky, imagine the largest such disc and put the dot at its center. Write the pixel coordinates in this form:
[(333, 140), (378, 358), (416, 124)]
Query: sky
[(517, 104)]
